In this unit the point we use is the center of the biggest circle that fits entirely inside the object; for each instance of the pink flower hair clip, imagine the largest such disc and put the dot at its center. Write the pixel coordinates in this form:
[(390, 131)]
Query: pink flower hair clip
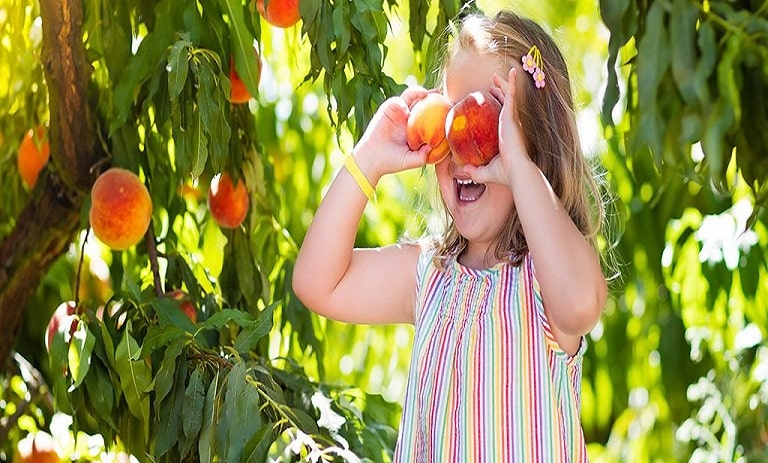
[(532, 63)]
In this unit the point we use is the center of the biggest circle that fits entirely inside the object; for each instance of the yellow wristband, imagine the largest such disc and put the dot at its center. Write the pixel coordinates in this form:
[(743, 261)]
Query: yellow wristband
[(360, 179)]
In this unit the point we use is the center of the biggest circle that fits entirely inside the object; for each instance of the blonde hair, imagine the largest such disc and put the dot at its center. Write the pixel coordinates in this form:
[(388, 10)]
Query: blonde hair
[(549, 127)]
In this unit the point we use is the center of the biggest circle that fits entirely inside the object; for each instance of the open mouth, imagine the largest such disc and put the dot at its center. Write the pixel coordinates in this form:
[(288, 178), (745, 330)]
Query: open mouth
[(467, 190)]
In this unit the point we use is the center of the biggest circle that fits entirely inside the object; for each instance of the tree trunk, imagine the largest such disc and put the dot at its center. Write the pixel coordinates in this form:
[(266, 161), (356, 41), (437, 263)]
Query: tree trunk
[(48, 223)]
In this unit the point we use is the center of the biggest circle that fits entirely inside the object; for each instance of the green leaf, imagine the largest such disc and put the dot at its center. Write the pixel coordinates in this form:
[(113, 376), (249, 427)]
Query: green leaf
[(116, 25), (683, 47), (708, 52), (212, 115), (714, 144), (170, 413), (57, 358), (158, 337), (242, 407), (197, 143), (325, 35), (612, 12), (140, 68), (250, 335), (417, 22), (100, 394), (224, 316), (167, 371), (341, 27), (135, 377), (178, 68), (272, 390), (257, 448), (309, 9), (242, 45), (109, 344), (304, 421), (727, 68), (751, 270), (652, 63), (211, 411), (79, 353), (246, 277), (195, 401)]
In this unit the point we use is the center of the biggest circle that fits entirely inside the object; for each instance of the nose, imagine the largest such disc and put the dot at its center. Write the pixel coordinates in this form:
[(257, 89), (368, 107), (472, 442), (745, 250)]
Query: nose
[(454, 168)]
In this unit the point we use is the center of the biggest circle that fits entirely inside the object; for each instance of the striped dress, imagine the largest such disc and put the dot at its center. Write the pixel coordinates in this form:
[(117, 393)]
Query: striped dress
[(487, 381)]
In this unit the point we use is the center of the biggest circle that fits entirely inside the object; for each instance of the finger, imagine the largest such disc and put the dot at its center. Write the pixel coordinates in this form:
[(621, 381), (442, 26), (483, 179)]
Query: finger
[(511, 92), (395, 109), (413, 94), (500, 82), (497, 93), (418, 158)]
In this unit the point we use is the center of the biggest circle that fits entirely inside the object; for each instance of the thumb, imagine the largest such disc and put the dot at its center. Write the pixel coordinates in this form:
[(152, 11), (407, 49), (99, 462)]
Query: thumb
[(478, 174)]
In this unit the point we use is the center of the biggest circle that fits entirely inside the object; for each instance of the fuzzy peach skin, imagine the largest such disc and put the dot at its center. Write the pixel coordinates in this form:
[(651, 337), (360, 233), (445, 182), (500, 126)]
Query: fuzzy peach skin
[(426, 125), (472, 128), (228, 203), (121, 208)]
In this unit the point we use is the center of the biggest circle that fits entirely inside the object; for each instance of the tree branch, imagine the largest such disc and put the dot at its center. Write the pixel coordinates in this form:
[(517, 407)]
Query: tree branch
[(47, 225)]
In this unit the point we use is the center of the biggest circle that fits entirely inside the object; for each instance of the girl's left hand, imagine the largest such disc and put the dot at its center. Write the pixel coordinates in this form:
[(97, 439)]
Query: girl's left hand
[(512, 147)]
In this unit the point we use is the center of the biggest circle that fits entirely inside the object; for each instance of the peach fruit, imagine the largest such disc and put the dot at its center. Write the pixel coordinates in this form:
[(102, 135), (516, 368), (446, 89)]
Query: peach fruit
[(121, 208), (186, 304), (63, 321), (34, 152), (280, 13), (426, 125), (228, 203), (472, 128)]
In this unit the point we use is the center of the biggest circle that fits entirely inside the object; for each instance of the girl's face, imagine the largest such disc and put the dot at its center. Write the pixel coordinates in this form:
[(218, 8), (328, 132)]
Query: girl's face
[(479, 211)]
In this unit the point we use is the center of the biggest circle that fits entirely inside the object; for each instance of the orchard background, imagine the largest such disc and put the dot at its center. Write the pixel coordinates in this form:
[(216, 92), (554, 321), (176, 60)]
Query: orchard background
[(672, 103)]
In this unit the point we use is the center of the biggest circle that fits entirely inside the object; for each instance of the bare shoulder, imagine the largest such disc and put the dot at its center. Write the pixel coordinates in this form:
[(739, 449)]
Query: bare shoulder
[(379, 286)]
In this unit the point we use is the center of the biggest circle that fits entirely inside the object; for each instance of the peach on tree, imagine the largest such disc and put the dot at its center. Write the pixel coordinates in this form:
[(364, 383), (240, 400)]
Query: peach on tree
[(121, 208)]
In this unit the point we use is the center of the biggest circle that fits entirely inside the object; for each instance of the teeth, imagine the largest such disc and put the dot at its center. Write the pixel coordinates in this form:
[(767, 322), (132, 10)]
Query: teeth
[(461, 181)]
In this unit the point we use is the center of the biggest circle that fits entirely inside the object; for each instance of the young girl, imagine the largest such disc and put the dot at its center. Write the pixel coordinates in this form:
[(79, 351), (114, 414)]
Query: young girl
[(502, 297)]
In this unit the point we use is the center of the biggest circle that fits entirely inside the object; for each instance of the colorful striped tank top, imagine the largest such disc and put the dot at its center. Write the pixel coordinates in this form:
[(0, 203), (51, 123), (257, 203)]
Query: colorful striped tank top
[(487, 381)]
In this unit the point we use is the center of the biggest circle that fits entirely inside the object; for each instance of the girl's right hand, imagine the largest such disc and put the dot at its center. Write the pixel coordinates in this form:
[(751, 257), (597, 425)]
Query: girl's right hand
[(383, 148)]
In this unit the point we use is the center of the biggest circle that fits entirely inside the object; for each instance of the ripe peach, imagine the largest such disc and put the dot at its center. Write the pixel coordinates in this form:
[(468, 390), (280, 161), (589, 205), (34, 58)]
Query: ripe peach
[(121, 208), (280, 13), (36, 447), (34, 152), (228, 203), (63, 320), (472, 128), (426, 125), (238, 92), (186, 304)]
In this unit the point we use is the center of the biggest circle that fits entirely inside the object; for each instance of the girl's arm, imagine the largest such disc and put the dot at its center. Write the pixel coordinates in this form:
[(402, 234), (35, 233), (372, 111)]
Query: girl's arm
[(362, 285), (568, 269)]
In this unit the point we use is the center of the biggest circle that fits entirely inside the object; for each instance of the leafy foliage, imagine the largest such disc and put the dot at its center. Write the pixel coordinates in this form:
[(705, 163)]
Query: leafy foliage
[(687, 161), (695, 70)]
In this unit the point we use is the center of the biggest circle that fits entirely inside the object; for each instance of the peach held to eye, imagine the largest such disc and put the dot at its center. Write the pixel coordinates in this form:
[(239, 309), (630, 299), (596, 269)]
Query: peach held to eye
[(426, 124), (472, 128)]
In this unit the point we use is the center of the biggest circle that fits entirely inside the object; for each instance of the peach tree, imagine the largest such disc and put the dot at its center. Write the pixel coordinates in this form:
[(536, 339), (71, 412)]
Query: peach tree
[(148, 87)]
